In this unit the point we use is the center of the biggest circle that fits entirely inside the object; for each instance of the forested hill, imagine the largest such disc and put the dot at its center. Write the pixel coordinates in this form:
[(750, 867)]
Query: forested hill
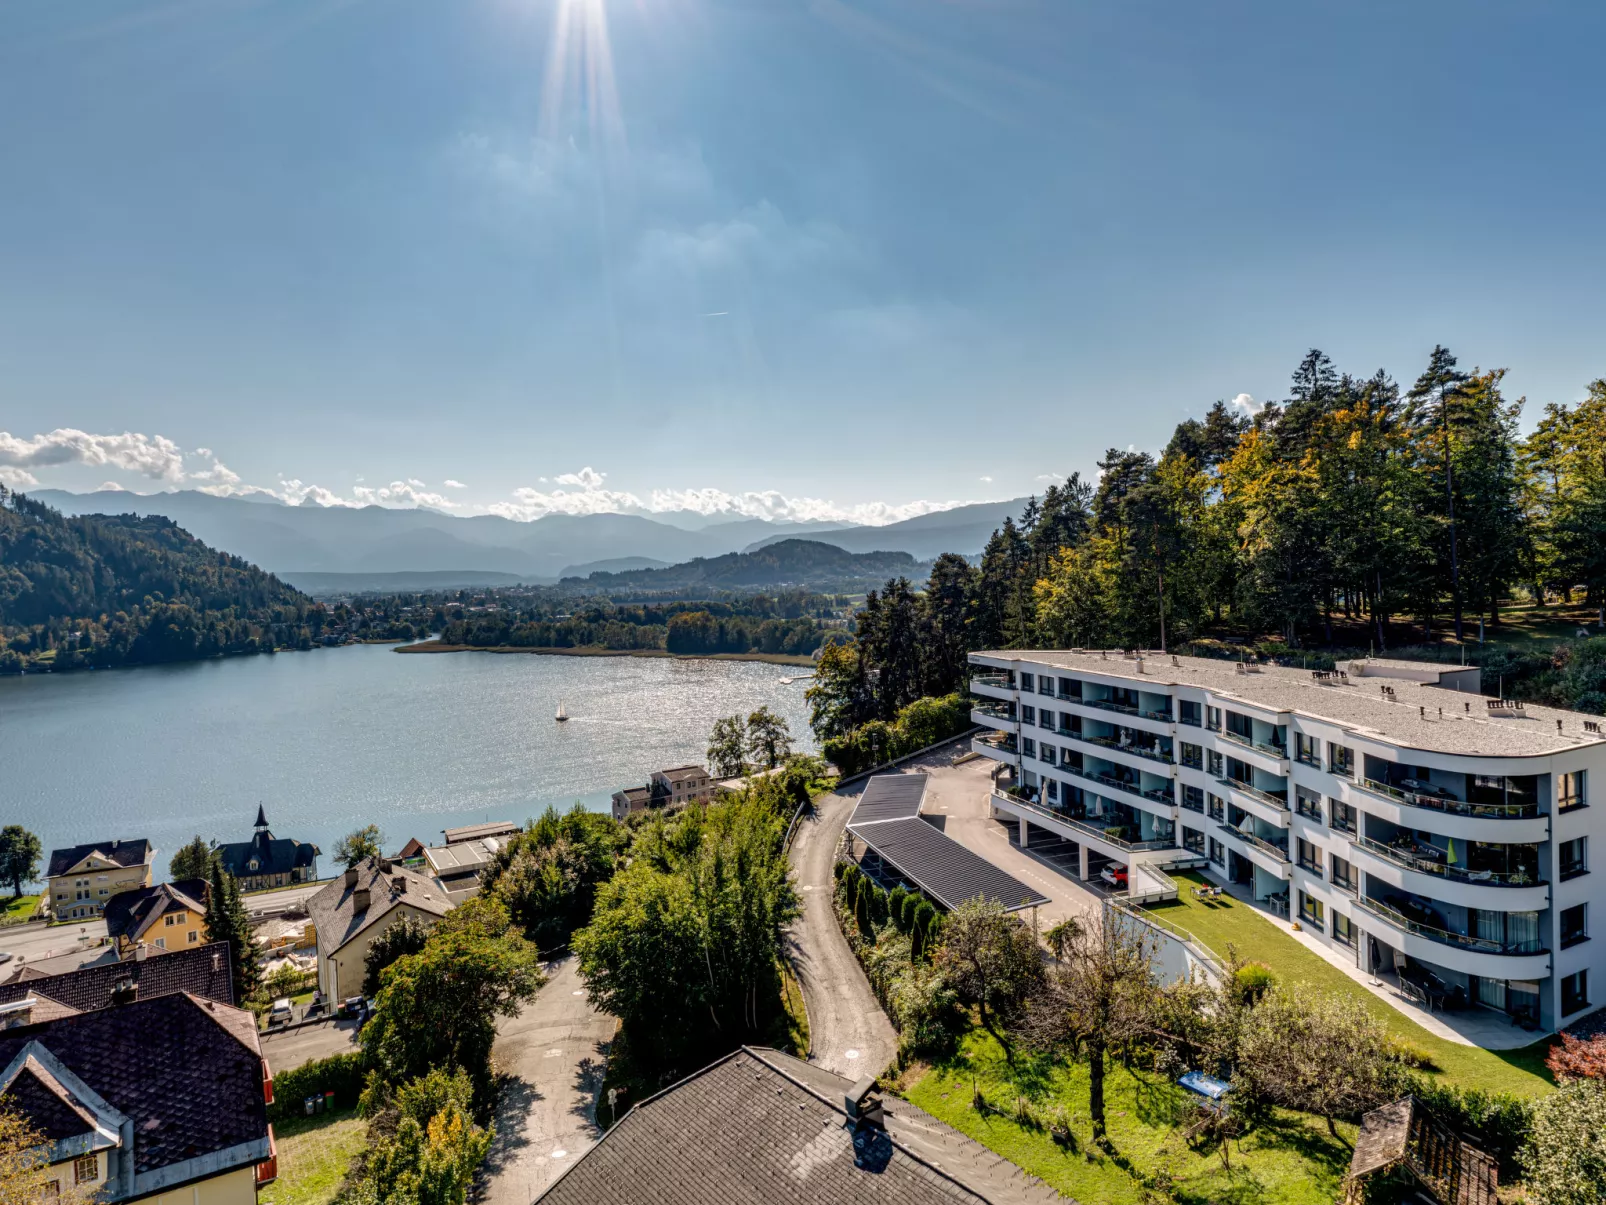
[(805, 564), (104, 590)]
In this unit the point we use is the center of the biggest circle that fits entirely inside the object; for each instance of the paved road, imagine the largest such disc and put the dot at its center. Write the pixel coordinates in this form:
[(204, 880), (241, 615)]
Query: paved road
[(34, 942), (281, 899), (848, 1032), (555, 1052), (293, 1047)]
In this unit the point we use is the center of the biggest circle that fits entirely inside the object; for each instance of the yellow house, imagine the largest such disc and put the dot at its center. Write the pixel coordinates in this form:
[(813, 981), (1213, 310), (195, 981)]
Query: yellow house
[(168, 916), (195, 1134), (83, 878), (356, 908)]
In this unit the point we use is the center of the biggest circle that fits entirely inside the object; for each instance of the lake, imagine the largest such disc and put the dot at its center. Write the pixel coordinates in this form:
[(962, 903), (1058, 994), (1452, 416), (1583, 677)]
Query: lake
[(334, 739)]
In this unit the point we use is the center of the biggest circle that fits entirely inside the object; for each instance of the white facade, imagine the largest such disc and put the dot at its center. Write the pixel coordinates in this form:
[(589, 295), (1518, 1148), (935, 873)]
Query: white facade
[(1404, 821)]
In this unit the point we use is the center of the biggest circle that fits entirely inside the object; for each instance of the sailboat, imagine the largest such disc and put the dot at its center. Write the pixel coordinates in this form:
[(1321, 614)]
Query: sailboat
[(563, 716)]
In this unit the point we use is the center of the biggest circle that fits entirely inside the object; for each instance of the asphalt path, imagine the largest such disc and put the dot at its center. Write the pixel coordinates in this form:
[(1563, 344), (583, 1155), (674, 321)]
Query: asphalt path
[(36, 941), (848, 1032), (290, 1048)]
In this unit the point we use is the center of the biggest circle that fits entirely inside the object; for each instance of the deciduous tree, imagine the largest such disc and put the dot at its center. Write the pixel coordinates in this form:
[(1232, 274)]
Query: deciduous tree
[(20, 852), (358, 846)]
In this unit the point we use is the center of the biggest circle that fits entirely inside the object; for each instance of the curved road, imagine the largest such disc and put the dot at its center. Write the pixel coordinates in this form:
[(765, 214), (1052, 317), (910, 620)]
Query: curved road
[(848, 1032)]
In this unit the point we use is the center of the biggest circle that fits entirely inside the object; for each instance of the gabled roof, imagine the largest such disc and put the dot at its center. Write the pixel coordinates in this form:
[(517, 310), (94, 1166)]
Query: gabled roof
[(760, 1128), (634, 794), (273, 855), (200, 970), (684, 773), (390, 885), (118, 852), (130, 913), (39, 1094), (186, 1072), (474, 832)]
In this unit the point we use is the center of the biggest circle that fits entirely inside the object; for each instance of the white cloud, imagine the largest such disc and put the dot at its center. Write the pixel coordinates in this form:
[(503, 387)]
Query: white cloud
[(17, 479), (985, 480), (454, 485), (1248, 404), (400, 493), (1050, 477), (109, 487), (153, 456), (588, 478)]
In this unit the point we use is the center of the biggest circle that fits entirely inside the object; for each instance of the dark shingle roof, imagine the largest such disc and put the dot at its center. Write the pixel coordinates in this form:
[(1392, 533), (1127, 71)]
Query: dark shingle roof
[(40, 1097), (184, 1070), (743, 1133), (200, 970), (273, 855), (124, 853), (334, 909), (132, 912)]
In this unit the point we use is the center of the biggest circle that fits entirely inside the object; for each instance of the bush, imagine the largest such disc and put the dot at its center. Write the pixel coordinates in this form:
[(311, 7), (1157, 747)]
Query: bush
[(341, 1074), (1497, 1123), (1252, 981), (923, 722), (1565, 1161), (895, 899), (1409, 1054)]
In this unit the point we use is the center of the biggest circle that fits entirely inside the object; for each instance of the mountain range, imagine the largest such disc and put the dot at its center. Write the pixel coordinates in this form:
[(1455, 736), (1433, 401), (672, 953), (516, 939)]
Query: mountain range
[(791, 562), (357, 543)]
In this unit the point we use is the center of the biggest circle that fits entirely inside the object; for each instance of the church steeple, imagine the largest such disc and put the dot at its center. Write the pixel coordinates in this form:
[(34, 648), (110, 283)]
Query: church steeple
[(262, 817)]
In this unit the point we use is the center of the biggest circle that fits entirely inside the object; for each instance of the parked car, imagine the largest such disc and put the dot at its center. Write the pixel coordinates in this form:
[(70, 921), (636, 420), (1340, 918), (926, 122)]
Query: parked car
[(354, 1007), (280, 1012), (5, 957)]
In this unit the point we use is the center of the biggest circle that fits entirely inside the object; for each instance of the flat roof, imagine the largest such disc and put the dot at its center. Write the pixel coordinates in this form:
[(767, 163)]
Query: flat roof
[(459, 859), (472, 832), (887, 819), (1410, 717)]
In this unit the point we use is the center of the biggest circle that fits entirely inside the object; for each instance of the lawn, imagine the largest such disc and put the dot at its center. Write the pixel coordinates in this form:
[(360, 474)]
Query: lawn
[(314, 1153), (1223, 922), (19, 910), (1293, 1160)]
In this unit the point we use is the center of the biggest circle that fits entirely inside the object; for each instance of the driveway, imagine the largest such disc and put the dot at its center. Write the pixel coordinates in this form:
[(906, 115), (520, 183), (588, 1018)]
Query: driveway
[(848, 1032), (35, 942), (290, 1048), (553, 1053)]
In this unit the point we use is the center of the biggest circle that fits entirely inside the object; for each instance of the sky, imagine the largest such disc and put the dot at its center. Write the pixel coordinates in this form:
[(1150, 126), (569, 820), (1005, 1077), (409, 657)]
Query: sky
[(830, 259)]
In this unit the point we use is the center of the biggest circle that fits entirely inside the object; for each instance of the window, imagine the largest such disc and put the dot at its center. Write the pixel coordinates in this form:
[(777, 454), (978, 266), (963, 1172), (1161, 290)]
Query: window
[(194, 937), (1028, 746), (171, 919), (1026, 682), (1218, 852), (1343, 873), (1308, 856), (1053, 788), (1307, 804), (1569, 791), (1070, 688), (1574, 925), (1341, 760), (1341, 816), (1573, 860), (1192, 756), (1028, 714), (1574, 992), (1193, 799), (1193, 840), (1188, 713), (1216, 767), (86, 1169), (1046, 753), (1307, 750), (1218, 810), (161, 943), (1213, 718), (1045, 685), (1343, 929), (1311, 911), (1045, 719)]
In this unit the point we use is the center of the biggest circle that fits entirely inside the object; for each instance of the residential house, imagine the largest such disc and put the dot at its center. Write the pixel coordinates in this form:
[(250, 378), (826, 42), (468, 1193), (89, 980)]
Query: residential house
[(269, 861), (168, 916), (360, 905), (666, 789), (479, 832), (82, 878), (160, 1100), (762, 1128), (199, 970), (631, 799), (457, 867)]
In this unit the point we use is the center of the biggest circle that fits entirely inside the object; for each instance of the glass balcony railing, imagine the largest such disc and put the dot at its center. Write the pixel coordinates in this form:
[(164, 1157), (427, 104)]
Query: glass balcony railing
[(1106, 742), (1093, 830), (1270, 847), (1407, 860), (994, 711), (1266, 797), (996, 681), (1111, 782), (999, 741), (1106, 705), (1526, 810), (1163, 716), (1483, 945)]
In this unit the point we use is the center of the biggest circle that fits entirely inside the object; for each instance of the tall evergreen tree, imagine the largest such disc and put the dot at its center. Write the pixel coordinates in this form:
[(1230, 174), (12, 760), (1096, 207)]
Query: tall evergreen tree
[(227, 920)]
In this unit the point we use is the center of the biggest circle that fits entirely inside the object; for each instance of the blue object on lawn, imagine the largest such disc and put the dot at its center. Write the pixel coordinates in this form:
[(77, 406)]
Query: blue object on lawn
[(1205, 1085)]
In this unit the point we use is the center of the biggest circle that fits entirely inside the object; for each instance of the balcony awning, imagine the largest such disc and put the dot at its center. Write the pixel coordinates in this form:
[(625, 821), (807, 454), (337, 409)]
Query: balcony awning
[(887, 820)]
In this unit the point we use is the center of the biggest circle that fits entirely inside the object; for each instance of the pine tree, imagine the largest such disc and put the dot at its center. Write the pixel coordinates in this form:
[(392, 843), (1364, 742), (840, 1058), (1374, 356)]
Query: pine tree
[(228, 921)]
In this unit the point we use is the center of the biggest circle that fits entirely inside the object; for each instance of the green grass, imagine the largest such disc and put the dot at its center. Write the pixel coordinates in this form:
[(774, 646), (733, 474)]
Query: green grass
[(314, 1153), (1225, 921), (1292, 1160), (19, 910)]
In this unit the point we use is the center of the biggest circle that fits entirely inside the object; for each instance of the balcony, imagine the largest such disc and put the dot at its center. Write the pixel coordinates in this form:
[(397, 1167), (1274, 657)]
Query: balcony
[(1451, 807), (1260, 843), (1408, 860), (1255, 793), (1105, 742), (1081, 826), (1110, 781), (1106, 705), (996, 683), (994, 711), (1163, 716), (1463, 941)]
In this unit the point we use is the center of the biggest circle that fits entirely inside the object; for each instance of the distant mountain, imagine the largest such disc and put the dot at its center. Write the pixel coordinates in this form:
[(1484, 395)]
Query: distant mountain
[(330, 585), (796, 564), (964, 529), (127, 590), (618, 564)]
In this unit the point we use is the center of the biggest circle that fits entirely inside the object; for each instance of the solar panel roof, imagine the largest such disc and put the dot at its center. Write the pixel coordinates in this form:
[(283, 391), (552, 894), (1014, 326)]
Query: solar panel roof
[(941, 867), (890, 797)]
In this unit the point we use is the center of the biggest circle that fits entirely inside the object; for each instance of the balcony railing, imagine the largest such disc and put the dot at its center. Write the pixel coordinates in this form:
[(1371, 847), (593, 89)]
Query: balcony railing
[(1163, 716), (1265, 797), (1004, 744), (994, 711), (1453, 807), (1092, 830), (996, 681), (1483, 945), (1135, 750), (1106, 705), (1227, 734), (1131, 788), (1409, 861), (1276, 851)]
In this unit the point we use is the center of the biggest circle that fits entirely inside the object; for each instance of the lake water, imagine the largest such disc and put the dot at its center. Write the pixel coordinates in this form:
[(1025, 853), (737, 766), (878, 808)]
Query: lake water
[(336, 738)]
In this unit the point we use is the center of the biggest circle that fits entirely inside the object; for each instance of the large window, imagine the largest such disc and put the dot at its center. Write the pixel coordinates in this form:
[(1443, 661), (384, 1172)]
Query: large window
[(1046, 753), (1028, 714), (1574, 925), (1045, 718), (1193, 840), (1343, 873), (1192, 756), (1574, 992), (1308, 804), (1213, 718), (1341, 816), (1028, 747), (1188, 713), (1343, 929), (1218, 810), (1312, 912), (1308, 856), (1218, 852), (1341, 760), (1217, 766), (1070, 688), (1569, 791), (1025, 681), (1574, 857), (1307, 750), (1193, 799), (1045, 685)]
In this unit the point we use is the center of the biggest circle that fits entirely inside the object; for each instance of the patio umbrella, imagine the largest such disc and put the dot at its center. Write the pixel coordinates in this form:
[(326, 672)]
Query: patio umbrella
[(1449, 856)]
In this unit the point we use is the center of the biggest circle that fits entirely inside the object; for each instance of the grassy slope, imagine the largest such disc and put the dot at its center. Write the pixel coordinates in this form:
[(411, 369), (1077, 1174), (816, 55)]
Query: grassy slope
[(314, 1153), (1257, 938), (1293, 1161), (18, 910)]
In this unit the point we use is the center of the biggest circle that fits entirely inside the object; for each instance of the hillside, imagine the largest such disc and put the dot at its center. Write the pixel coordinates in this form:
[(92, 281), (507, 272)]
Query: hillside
[(964, 529), (791, 563), (126, 590)]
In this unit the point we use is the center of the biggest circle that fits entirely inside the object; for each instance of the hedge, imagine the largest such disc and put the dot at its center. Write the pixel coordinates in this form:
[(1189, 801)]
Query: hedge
[(924, 722), (341, 1074)]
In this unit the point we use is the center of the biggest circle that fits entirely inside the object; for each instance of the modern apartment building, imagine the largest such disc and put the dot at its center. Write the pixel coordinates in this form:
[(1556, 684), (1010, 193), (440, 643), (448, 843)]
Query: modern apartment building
[(1400, 817)]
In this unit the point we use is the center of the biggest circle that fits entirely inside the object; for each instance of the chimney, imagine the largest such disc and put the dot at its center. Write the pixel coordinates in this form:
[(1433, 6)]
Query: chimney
[(140, 952), (399, 884), (384, 866), (862, 1104), (125, 991), (359, 899), (351, 876)]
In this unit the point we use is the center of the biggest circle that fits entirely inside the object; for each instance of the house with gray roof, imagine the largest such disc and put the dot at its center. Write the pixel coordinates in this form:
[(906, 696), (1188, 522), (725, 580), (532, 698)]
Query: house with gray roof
[(351, 911)]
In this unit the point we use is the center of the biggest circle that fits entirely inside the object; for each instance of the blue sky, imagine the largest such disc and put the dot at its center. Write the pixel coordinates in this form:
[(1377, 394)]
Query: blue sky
[(830, 258)]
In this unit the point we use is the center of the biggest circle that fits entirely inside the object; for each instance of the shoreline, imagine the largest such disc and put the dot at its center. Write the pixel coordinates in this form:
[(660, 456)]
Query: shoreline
[(434, 646)]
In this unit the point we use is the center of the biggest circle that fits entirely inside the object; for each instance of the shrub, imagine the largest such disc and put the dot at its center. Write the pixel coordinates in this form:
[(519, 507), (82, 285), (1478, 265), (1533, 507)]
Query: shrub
[(895, 899), (1565, 1159), (341, 1074), (924, 722), (1409, 1054), (1497, 1123), (1252, 981), (1577, 1058)]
